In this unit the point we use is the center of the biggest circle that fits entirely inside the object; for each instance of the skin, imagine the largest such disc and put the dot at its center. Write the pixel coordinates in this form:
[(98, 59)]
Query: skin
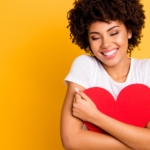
[(103, 38)]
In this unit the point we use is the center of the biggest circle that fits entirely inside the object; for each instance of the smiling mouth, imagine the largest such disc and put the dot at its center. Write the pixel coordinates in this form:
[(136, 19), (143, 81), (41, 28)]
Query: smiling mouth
[(110, 53)]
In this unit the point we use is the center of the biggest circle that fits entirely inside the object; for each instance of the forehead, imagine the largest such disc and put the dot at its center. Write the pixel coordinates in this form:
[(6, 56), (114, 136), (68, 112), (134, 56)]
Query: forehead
[(104, 26)]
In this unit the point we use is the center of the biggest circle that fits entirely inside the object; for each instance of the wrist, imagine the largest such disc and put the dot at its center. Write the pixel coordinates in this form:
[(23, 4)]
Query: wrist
[(96, 117)]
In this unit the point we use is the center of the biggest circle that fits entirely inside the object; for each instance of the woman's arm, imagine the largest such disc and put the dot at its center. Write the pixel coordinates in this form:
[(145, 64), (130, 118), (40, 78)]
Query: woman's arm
[(75, 138), (135, 137)]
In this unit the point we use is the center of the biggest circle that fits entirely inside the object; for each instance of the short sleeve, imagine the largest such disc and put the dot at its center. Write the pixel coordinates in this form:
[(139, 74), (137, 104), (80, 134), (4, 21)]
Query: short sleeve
[(148, 73), (142, 70), (81, 71)]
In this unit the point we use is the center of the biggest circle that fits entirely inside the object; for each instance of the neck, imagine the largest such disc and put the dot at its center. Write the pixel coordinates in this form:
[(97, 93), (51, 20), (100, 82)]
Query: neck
[(120, 71)]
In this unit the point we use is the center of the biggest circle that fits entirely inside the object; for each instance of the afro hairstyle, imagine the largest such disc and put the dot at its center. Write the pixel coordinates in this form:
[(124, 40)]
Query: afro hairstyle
[(85, 12)]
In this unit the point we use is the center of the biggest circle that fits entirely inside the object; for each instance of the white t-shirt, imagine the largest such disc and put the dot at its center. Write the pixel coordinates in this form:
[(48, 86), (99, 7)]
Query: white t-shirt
[(88, 72)]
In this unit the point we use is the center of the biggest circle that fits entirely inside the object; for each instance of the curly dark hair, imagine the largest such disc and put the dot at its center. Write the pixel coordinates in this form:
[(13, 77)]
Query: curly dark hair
[(85, 12)]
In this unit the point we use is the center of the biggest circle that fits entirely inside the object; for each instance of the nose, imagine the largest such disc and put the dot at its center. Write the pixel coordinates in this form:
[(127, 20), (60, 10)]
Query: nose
[(106, 42)]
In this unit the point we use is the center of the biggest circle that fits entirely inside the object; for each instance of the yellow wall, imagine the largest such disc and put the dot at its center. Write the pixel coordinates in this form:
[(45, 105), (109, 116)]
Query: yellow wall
[(35, 56)]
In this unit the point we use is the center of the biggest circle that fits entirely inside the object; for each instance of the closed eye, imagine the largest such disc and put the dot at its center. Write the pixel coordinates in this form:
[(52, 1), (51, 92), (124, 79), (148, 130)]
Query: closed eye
[(114, 33), (95, 39)]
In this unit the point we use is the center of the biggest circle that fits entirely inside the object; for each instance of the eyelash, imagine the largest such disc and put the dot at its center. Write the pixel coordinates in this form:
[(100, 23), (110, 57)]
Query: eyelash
[(110, 35), (114, 33), (95, 39)]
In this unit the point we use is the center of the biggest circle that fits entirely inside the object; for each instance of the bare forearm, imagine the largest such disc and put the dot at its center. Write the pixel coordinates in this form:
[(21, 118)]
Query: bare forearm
[(86, 140), (75, 138), (135, 137)]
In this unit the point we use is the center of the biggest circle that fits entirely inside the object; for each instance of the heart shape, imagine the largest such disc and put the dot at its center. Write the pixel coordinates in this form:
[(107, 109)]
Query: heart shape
[(132, 105)]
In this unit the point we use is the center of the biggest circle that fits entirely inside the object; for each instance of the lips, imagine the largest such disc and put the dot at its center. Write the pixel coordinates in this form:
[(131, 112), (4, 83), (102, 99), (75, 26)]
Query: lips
[(110, 53)]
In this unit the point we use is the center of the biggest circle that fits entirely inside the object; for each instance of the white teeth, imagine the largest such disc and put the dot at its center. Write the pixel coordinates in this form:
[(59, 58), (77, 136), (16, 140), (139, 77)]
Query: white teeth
[(110, 52)]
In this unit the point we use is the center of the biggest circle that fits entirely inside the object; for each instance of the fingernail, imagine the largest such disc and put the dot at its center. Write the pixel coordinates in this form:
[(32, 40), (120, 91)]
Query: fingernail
[(76, 89)]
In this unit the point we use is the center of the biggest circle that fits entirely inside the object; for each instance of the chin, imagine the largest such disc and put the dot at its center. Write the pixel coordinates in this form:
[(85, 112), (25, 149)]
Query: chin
[(110, 63)]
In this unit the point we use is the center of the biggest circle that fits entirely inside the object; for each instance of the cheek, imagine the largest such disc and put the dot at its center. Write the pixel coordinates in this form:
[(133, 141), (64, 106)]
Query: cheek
[(94, 44), (122, 41)]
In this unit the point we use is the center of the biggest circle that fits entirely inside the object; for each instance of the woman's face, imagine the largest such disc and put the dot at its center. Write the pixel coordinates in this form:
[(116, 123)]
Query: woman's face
[(109, 41)]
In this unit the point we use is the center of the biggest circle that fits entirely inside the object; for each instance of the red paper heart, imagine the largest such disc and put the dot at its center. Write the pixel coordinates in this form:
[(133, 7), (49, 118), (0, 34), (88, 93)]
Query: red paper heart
[(132, 105)]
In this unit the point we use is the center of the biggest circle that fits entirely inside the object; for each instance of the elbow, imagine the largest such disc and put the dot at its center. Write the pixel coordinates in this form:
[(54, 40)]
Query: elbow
[(68, 143), (65, 144)]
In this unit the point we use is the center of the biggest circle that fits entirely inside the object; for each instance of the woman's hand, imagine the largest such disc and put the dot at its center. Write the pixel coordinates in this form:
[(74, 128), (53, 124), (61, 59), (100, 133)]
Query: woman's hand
[(72, 134), (83, 107)]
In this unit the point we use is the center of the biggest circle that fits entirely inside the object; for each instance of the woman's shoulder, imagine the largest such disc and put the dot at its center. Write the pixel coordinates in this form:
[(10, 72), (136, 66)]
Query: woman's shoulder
[(81, 70), (141, 61), (85, 59), (142, 64), (84, 63)]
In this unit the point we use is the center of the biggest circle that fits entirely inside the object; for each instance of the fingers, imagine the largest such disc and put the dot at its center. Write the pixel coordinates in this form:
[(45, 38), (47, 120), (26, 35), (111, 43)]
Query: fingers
[(82, 94), (75, 105), (77, 97)]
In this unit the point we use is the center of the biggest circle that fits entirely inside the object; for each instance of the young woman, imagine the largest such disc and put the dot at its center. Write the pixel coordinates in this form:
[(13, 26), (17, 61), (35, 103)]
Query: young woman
[(109, 30)]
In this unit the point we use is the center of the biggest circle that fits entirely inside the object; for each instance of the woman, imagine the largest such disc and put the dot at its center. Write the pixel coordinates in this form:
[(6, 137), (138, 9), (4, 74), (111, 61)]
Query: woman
[(109, 30)]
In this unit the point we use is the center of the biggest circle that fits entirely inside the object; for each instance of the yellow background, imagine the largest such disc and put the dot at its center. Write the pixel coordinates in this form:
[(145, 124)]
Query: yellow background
[(35, 56)]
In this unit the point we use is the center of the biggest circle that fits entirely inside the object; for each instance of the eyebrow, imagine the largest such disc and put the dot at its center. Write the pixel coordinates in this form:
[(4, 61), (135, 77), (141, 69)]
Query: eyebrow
[(107, 30), (112, 28)]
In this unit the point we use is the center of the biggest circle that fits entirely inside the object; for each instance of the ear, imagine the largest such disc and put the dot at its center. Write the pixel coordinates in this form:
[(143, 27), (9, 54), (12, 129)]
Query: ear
[(129, 34)]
